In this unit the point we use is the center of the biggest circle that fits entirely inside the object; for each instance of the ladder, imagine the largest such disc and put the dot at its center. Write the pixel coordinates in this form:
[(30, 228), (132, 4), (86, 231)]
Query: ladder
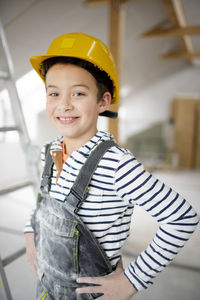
[(31, 152)]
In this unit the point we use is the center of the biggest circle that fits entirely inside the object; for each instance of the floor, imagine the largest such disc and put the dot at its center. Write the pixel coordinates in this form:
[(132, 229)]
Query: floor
[(180, 281)]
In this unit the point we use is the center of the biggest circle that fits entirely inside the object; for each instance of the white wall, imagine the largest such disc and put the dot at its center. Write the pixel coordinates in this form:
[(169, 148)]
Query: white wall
[(152, 105)]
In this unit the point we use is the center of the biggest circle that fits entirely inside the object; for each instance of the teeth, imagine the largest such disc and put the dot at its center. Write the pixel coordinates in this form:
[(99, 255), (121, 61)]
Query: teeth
[(66, 119)]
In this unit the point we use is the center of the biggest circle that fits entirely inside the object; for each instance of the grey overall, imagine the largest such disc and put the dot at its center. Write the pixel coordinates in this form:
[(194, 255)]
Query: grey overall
[(66, 248)]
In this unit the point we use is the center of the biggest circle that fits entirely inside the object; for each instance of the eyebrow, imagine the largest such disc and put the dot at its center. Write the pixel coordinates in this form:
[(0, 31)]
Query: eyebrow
[(74, 85), (81, 85), (51, 86)]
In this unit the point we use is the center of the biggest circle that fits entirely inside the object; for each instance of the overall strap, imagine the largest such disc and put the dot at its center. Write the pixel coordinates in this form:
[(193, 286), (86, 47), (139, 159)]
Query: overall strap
[(80, 186), (46, 176)]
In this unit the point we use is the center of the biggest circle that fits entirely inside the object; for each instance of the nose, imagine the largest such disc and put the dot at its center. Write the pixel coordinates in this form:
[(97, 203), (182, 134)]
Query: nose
[(66, 103)]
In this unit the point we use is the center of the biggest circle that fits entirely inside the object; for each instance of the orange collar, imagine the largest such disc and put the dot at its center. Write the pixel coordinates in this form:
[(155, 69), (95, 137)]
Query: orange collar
[(64, 154)]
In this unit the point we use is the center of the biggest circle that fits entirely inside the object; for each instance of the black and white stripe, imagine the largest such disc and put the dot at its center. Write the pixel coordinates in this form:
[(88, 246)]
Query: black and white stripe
[(119, 183)]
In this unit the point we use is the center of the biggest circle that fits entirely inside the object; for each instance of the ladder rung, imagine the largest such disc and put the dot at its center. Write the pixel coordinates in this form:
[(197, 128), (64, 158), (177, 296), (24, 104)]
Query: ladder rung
[(15, 187), (4, 75), (10, 230), (13, 257), (9, 128)]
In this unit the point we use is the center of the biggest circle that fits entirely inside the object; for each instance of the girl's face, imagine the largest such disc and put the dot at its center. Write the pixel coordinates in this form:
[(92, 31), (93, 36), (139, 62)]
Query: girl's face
[(72, 105)]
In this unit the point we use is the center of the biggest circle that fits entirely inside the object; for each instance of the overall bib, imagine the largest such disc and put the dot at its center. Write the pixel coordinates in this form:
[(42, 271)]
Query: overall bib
[(66, 248)]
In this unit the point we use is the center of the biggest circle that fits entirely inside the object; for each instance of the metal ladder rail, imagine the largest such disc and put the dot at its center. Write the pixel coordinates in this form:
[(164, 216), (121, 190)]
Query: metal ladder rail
[(31, 152), (9, 78), (4, 287)]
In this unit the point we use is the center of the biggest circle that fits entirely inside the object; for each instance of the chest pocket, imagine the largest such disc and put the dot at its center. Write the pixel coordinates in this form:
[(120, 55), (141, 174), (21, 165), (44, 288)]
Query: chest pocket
[(59, 239)]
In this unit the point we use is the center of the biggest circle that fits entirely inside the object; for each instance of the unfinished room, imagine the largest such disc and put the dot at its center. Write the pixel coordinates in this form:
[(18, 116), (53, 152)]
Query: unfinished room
[(99, 149)]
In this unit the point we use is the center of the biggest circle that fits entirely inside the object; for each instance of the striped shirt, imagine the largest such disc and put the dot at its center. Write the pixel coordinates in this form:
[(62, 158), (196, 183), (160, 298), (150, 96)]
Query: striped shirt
[(118, 184)]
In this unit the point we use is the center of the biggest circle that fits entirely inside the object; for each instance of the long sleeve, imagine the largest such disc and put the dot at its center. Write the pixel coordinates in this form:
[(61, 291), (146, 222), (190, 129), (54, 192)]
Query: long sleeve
[(28, 228), (176, 217)]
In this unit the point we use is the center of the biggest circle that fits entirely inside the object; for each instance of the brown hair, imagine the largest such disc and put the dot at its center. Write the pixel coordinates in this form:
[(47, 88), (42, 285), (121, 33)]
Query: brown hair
[(103, 81)]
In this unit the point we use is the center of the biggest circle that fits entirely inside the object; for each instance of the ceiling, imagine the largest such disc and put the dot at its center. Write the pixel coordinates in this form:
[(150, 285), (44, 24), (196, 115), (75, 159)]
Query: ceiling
[(31, 25)]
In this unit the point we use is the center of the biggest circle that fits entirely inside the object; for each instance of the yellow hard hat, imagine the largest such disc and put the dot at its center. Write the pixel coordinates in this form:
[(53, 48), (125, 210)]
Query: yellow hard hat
[(83, 46)]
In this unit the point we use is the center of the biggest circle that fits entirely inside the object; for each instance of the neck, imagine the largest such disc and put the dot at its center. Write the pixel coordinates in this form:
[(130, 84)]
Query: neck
[(73, 144)]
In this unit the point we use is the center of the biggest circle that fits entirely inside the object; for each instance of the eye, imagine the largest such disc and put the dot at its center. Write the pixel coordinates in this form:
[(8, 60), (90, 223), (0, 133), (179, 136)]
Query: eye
[(53, 94), (78, 94)]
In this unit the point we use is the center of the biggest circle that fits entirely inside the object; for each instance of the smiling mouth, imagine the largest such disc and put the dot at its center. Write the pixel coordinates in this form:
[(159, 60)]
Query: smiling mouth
[(66, 120)]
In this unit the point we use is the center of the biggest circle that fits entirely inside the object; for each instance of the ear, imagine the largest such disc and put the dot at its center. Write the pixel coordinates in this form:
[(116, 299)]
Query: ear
[(104, 103)]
